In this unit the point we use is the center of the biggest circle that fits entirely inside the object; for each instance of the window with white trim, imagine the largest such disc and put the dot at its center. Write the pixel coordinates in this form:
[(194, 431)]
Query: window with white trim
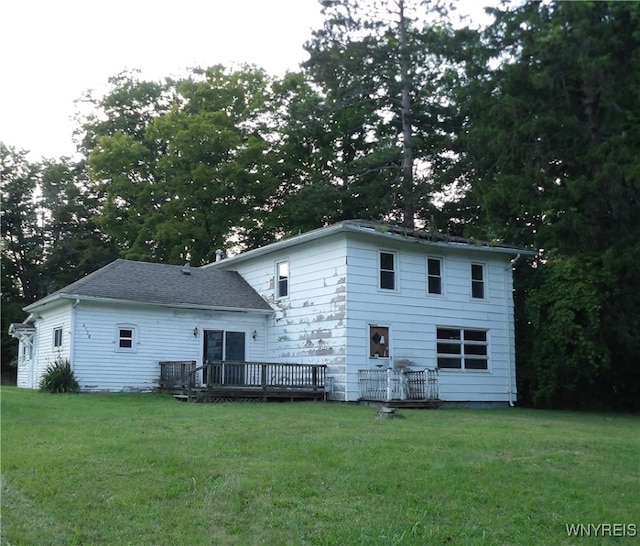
[(477, 281), (462, 349), (434, 275), (387, 270), (57, 337), (126, 337), (282, 278)]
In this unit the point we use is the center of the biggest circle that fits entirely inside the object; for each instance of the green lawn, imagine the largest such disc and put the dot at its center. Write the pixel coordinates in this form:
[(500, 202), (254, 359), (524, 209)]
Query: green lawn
[(145, 469)]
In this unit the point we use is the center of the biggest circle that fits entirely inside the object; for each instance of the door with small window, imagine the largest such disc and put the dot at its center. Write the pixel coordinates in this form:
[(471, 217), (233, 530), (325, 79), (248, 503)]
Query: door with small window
[(379, 343), (222, 346)]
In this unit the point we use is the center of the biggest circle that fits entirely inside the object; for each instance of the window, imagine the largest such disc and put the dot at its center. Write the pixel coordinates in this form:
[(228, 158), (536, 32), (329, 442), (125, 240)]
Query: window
[(57, 337), (459, 349), (378, 342), (434, 275), (282, 275), (126, 337), (477, 281), (387, 271)]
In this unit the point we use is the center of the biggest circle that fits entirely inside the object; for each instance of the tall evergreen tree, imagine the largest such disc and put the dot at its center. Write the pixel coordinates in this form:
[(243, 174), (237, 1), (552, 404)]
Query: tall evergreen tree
[(377, 66), (548, 155)]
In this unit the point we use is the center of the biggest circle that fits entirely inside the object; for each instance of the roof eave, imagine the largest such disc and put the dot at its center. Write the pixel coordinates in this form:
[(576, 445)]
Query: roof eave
[(370, 232), (176, 305)]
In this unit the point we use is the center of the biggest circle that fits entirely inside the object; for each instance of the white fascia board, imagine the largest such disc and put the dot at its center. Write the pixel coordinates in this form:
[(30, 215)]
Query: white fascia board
[(72, 297)]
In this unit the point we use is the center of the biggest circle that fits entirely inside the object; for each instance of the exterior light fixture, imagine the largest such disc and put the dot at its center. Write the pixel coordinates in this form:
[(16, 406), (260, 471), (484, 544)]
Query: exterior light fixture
[(195, 332)]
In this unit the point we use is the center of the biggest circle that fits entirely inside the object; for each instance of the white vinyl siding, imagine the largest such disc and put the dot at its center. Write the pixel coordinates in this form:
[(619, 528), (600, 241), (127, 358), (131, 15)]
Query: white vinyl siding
[(160, 333), (413, 316)]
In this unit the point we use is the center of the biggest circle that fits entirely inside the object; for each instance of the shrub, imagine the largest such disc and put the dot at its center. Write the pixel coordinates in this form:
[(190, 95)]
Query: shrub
[(59, 377)]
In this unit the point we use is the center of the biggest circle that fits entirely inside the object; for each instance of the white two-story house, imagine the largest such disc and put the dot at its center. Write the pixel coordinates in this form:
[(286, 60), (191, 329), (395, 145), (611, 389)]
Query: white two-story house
[(352, 296)]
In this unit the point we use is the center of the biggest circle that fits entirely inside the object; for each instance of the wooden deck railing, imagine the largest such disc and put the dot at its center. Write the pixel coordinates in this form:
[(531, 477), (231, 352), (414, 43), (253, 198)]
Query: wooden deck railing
[(268, 376), (398, 384), (263, 374), (177, 374)]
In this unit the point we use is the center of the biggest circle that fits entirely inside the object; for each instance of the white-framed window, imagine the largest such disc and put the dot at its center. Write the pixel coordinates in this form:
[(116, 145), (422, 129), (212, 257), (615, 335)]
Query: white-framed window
[(434, 275), (57, 337), (387, 265), (477, 281), (462, 348), (126, 337), (282, 279)]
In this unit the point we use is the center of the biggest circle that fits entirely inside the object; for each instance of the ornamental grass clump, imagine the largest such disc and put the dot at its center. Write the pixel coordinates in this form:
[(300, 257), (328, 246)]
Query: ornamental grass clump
[(59, 377)]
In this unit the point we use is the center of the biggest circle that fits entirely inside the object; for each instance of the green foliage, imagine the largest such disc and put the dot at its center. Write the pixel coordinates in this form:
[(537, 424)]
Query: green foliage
[(549, 161), (145, 469), (59, 377), (570, 357), (183, 181)]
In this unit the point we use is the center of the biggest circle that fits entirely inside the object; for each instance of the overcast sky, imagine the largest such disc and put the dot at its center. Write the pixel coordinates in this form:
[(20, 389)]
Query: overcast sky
[(52, 51)]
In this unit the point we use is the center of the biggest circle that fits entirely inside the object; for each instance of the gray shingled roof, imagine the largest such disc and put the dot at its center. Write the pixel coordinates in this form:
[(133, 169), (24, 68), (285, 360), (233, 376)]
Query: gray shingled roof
[(166, 285)]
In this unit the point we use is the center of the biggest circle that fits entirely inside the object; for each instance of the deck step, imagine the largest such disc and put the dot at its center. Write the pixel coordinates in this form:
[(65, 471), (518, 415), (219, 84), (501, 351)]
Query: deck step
[(181, 397)]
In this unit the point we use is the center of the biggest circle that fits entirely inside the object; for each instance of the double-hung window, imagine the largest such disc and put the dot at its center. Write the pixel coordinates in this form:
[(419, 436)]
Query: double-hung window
[(57, 338), (477, 281), (282, 279), (387, 270), (434, 275), (462, 349)]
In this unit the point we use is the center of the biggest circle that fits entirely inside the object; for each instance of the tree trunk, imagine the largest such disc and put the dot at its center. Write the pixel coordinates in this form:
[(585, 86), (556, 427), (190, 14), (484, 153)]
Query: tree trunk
[(408, 206)]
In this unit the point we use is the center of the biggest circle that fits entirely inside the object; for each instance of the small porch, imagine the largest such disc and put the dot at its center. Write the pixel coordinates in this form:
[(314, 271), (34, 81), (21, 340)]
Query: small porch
[(398, 387), (226, 381)]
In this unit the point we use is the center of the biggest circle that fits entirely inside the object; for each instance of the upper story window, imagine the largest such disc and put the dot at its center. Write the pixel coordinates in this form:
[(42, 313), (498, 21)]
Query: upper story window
[(57, 337), (126, 337), (434, 275), (460, 349), (282, 276), (477, 281), (387, 270)]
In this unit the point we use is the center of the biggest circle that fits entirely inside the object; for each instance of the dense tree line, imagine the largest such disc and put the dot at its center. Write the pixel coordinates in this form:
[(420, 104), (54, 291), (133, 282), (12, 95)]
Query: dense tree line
[(525, 131)]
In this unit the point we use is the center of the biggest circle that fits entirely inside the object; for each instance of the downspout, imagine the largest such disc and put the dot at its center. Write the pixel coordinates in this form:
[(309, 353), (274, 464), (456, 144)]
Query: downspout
[(510, 320), (72, 333)]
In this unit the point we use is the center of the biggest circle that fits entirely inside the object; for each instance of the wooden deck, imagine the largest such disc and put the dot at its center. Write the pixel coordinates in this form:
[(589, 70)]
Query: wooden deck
[(226, 381)]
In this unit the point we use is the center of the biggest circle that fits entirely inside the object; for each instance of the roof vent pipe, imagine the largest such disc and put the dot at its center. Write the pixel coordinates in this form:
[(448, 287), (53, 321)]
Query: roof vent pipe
[(218, 255), (186, 269)]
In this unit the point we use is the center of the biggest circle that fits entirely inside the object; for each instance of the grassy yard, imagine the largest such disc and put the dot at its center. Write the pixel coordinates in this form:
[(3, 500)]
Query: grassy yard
[(145, 469)]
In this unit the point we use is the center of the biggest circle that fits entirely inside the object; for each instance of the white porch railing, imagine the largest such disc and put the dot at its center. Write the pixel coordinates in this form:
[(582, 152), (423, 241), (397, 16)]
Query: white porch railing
[(398, 384)]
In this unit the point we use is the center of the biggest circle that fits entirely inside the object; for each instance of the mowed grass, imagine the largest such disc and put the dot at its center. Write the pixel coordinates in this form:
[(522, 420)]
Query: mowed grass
[(145, 469)]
